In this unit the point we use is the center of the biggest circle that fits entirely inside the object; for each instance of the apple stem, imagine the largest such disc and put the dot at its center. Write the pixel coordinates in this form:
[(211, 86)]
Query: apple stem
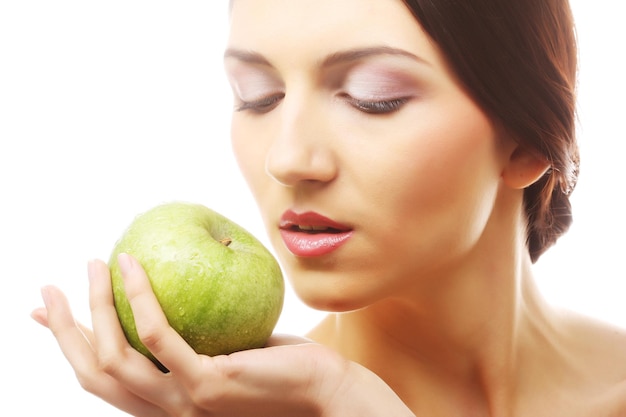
[(226, 241)]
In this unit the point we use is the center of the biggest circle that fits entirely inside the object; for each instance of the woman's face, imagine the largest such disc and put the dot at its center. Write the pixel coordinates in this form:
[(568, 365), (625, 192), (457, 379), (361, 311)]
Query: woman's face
[(371, 166)]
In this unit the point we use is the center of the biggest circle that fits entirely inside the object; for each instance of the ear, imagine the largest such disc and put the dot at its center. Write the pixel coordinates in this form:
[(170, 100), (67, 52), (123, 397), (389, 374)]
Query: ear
[(524, 168)]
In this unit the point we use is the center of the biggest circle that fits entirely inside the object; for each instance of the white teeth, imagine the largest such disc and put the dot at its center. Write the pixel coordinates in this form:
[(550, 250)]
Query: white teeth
[(308, 228)]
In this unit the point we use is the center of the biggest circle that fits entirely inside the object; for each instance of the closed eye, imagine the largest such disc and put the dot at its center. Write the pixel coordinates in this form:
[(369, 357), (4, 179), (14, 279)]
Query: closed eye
[(262, 105), (376, 106)]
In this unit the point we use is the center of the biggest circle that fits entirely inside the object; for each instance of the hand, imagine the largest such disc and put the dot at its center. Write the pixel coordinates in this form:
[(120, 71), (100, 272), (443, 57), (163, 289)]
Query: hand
[(290, 377)]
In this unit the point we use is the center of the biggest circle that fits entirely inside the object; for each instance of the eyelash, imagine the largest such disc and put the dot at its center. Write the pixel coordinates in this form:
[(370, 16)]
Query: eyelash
[(376, 106), (262, 105)]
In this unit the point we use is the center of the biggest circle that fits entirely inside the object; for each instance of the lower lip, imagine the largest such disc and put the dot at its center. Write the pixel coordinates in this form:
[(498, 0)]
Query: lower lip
[(311, 245)]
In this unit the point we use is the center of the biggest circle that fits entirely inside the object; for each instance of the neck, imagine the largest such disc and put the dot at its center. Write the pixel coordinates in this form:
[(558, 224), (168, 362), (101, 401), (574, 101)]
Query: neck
[(462, 339)]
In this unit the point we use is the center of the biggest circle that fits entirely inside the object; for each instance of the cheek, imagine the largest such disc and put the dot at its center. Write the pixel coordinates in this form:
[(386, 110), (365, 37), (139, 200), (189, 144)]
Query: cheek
[(441, 186)]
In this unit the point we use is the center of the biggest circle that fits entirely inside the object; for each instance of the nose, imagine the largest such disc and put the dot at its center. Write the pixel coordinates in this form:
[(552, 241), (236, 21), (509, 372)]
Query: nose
[(302, 148)]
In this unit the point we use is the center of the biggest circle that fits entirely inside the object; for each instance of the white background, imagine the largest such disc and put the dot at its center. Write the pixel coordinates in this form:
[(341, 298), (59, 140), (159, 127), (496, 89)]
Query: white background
[(108, 108)]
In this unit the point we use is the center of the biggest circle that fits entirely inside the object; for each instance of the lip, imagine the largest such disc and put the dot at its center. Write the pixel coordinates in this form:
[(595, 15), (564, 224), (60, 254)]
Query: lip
[(310, 234)]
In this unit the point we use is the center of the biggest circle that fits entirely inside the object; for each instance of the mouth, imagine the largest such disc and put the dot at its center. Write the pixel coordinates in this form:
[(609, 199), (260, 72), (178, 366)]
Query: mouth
[(310, 234), (311, 229)]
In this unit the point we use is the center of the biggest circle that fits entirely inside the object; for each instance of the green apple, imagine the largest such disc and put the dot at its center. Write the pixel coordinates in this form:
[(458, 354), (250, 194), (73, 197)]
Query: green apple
[(218, 286)]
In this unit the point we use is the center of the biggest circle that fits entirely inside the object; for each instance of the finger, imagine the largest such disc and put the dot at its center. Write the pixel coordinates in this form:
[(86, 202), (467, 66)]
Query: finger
[(70, 338), (87, 333), (109, 338), (152, 325), (116, 356), (82, 358), (40, 315)]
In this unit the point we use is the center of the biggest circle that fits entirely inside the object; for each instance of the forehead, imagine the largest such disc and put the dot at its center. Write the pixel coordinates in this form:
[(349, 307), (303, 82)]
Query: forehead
[(311, 29)]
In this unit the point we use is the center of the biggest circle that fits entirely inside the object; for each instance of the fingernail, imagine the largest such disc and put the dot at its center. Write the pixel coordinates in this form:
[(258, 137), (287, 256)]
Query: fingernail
[(125, 262), (91, 270), (46, 296)]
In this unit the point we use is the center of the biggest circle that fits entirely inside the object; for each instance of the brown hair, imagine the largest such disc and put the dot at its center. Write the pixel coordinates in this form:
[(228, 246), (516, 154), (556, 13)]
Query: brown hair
[(518, 60)]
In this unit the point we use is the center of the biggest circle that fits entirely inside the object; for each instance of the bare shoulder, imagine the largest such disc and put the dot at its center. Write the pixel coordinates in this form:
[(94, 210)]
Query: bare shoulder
[(599, 353), (605, 339)]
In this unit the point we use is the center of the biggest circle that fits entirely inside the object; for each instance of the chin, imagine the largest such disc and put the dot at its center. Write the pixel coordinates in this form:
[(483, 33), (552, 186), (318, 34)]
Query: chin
[(323, 288), (332, 306), (333, 299)]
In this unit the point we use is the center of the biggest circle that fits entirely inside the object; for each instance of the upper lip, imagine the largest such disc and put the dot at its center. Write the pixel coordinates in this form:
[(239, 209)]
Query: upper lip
[(310, 220)]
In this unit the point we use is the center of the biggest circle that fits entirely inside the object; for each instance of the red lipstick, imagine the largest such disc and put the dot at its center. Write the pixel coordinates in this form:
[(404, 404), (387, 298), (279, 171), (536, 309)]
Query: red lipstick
[(310, 234)]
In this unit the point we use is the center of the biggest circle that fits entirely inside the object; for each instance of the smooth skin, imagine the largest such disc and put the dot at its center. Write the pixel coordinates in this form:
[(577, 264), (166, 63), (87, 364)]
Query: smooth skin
[(348, 109)]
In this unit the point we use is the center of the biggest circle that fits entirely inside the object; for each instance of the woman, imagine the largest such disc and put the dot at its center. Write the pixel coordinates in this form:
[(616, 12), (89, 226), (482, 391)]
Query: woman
[(411, 160)]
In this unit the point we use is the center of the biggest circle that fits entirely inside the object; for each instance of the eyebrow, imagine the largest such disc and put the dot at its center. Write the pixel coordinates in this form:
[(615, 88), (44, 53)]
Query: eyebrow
[(246, 56), (335, 58), (360, 53)]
